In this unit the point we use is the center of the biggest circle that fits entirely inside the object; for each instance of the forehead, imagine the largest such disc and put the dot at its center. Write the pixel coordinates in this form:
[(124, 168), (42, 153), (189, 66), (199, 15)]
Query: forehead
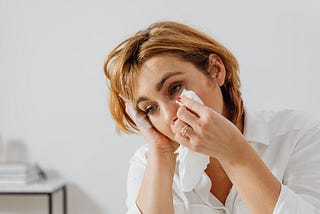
[(161, 64), (152, 70)]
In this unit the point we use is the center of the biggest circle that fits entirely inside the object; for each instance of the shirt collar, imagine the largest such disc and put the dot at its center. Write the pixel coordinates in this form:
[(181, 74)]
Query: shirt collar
[(255, 127)]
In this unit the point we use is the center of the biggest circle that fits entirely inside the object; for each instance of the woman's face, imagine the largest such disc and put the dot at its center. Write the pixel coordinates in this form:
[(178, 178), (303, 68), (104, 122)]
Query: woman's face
[(161, 80)]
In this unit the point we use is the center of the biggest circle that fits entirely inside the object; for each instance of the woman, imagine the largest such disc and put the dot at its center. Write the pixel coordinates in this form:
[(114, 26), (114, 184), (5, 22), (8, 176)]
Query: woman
[(260, 162)]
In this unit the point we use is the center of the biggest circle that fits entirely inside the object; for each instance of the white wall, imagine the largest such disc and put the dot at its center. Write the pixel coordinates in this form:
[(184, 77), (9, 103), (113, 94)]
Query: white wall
[(53, 93)]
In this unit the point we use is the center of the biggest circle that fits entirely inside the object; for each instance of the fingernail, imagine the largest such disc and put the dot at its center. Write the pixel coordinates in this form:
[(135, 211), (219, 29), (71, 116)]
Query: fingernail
[(179, 99)]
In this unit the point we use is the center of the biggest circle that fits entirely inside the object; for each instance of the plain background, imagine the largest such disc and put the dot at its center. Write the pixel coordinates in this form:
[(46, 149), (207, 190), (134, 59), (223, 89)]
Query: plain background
[(53, 94)]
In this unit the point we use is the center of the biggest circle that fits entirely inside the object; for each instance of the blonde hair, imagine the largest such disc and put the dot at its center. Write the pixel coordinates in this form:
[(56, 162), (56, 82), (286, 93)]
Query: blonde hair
[(122, 65)]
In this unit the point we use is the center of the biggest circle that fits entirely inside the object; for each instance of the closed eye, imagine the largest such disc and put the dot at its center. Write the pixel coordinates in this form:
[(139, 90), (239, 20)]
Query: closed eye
[(150, 109)]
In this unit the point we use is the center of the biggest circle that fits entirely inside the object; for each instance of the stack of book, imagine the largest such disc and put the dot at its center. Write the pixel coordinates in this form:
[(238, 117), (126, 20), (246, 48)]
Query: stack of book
[(12, 173)]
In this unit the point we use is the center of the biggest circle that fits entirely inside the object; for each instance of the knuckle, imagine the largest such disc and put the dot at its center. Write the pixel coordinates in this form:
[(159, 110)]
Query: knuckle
[(181, 112), (208, 115), (192, 107)]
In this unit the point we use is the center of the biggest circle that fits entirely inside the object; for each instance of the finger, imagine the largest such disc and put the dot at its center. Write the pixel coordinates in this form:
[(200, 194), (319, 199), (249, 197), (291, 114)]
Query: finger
[(143, 123), (185, 141), (187, 132), (149, 133), (129, 111), (188, 117), (141, 120), (177, 126), (194, 106)]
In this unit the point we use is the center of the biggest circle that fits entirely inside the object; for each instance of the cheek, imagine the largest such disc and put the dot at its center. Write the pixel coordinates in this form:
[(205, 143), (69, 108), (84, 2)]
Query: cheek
[(213, 99)]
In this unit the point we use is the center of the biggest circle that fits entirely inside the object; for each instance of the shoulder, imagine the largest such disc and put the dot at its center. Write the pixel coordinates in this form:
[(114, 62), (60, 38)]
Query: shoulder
[(281, 121), (288, 120), (266, 126)]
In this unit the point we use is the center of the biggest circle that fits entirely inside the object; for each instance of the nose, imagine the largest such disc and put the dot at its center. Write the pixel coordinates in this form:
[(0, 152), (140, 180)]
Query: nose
[(170, 112)]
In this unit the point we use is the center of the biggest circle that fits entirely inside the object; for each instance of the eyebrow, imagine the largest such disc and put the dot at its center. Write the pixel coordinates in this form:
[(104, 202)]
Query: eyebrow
[(165, 77), (160, 84)]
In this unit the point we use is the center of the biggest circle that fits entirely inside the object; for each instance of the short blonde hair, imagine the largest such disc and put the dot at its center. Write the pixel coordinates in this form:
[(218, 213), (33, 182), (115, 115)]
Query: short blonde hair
[(123, 62)]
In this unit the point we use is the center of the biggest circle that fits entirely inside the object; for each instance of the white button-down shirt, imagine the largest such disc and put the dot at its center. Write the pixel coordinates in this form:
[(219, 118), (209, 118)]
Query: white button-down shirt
[(289, 144)]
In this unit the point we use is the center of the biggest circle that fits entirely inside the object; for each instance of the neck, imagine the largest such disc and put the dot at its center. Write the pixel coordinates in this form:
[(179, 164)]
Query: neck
[(239, 124)]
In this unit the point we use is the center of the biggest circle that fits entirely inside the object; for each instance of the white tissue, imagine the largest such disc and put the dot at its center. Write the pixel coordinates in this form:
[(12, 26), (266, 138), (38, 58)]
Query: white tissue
[(191, 164)]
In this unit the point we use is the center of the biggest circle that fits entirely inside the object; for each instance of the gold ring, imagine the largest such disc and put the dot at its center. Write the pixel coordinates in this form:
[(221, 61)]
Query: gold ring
[(184, 130)]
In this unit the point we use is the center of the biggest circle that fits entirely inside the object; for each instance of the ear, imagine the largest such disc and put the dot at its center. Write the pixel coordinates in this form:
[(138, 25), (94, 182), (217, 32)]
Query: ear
[(216, 68)]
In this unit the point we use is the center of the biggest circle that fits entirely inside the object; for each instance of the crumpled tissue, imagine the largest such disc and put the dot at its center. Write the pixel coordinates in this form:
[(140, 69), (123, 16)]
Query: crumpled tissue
[(191, 164)]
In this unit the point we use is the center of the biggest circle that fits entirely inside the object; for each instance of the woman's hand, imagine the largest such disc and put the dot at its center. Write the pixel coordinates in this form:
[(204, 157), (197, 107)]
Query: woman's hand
[(157, 141), (155, 194), (209, 133)]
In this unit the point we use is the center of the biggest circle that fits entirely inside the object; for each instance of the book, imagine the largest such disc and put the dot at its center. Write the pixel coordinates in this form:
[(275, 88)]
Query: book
[(18, 173), (16, 167), (17, 180)]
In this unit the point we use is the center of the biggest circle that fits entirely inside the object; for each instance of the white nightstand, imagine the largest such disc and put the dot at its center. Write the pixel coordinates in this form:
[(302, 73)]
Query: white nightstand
[(46, 188)]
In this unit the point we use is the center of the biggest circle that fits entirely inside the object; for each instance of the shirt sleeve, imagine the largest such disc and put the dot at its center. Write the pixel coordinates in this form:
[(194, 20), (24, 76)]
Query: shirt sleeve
[(300, 189), (290, 202), (137, 165)]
